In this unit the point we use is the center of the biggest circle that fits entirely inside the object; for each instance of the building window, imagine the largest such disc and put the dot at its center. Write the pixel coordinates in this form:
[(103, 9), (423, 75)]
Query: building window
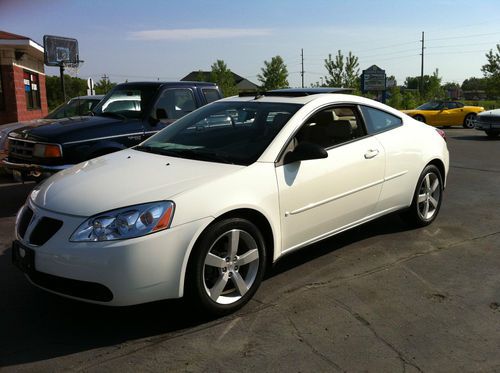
[(31, 87), (2, 100)]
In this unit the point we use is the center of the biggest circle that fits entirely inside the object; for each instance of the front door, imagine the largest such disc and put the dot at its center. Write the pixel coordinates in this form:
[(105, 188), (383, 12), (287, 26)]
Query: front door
[(318, 197)]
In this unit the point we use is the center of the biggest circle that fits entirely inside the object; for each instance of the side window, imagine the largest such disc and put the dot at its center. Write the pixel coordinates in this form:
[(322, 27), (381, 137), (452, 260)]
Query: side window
[(332, 126), (211, 95), (451, 105), (378, 120), (174, 103)]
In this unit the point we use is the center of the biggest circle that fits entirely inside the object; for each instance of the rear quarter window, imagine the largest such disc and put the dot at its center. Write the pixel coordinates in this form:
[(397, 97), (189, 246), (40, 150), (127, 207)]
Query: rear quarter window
[(211, 95), (378, 120)]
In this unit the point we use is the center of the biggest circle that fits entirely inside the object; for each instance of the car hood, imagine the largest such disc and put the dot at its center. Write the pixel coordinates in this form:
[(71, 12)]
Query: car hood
[(493, 113), (6, 128), (64, 130), (121, 179)]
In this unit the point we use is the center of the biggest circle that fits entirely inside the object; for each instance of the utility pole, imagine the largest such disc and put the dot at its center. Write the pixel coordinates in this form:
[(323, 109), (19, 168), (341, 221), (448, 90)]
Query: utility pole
[(422, 68), (302, 71)]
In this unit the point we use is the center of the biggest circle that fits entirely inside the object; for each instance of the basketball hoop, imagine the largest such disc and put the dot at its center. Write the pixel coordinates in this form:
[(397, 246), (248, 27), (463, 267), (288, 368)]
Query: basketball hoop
[(72, 68)]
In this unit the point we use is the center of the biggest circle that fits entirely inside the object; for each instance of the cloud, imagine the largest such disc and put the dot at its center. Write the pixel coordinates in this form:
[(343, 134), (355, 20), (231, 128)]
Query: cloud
[(197, 33)]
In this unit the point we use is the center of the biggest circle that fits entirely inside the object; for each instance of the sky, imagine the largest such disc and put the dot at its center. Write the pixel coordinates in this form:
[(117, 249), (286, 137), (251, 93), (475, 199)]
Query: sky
[(165, 40)]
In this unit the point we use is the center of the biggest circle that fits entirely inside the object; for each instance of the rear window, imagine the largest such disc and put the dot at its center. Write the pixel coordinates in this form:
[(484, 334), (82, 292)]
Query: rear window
[(378, 120)]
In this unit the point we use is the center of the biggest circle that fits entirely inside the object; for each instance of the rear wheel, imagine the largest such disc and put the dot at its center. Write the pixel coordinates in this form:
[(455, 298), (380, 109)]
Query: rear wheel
[(226, 266), (420, 118), (426, 199), (469, 121)]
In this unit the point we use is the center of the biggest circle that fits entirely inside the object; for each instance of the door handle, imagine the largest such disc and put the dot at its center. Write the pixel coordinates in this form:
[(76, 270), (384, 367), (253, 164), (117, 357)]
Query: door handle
[(371, 153)]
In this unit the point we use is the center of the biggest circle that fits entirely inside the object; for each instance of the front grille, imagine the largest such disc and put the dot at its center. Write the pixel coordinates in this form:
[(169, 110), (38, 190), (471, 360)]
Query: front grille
[(487, 119), (24, 221), (44, 230), (75, 288), (20, 148)]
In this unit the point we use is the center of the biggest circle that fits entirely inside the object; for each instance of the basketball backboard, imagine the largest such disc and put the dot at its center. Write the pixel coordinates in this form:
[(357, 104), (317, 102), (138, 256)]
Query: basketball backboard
[(60, 50)]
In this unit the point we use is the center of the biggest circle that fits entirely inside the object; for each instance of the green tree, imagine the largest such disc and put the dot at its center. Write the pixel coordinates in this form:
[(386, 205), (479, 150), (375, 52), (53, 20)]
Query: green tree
[(491, 71), (274, 74), (474, 84), (74, 87), (432, 85), (342, 73), (395, 98), (103, 86), (409, 100), (224, 78)]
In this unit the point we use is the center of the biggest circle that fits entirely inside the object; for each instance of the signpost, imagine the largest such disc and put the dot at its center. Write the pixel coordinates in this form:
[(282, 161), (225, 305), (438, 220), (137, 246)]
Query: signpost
[(374, 79), (90, 86)]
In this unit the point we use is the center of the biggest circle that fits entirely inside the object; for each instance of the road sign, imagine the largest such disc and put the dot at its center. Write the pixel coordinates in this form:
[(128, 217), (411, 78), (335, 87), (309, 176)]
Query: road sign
[(373, 79)]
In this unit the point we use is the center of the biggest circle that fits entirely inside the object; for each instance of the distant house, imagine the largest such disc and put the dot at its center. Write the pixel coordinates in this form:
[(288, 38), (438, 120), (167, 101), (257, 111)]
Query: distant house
[(241, 83), (22, 79)]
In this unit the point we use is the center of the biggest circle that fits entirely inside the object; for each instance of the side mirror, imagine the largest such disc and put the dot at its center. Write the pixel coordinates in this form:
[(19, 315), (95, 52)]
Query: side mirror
[(305, 151), (160, 114)]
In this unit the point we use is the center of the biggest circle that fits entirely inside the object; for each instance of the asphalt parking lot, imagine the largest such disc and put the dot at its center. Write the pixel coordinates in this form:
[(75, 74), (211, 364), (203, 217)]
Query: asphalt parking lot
[(380, 298)]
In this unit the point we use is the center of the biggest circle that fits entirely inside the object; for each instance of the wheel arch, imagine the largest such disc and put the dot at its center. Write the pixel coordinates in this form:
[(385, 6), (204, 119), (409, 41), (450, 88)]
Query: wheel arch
[(440, 166), (252, 215)]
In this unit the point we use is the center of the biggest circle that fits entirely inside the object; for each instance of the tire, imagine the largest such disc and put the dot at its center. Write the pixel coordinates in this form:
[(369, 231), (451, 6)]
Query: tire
[(420, 118), (469, 120), (492, 134), (226, 266), (426, 199)]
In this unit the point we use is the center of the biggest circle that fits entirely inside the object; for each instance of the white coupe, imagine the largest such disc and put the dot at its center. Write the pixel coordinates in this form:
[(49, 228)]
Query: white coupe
[(202, 208)]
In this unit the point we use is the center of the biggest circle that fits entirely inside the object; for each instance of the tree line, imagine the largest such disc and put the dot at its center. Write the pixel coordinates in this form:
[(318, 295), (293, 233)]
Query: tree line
[(341, 71)]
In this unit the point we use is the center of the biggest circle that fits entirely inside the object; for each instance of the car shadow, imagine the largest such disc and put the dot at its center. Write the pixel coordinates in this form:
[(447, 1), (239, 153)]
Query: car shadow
[(36, 325)]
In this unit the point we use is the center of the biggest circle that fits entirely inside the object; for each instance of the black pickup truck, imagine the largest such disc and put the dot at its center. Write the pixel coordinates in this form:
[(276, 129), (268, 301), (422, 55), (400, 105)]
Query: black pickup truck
[(126, 116)]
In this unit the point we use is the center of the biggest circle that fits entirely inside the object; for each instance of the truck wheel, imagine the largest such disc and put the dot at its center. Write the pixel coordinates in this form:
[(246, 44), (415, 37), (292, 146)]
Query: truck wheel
[(226, 266)]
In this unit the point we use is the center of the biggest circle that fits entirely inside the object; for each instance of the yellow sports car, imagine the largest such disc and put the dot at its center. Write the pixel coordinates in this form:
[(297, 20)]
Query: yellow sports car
[(445, 113)]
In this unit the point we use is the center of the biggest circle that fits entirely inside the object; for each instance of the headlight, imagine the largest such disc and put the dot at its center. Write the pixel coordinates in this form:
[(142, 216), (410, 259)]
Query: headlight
[(47, 151), (127, 222)]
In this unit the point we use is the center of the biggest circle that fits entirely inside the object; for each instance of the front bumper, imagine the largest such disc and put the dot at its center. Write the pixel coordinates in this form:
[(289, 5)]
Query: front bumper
[(30, 167), (481, 126), (137, 270)]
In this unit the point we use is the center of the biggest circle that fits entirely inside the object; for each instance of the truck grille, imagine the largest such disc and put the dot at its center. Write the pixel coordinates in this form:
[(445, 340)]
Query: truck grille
[(21, 148)]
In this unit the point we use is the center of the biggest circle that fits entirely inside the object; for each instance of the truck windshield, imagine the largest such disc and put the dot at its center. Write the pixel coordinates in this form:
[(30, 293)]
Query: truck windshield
[(226, 132), (126, 102)]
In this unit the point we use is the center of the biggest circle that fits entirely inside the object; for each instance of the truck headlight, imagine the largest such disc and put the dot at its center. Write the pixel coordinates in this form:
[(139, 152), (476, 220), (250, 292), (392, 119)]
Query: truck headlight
[(127, 222), (47, 151)]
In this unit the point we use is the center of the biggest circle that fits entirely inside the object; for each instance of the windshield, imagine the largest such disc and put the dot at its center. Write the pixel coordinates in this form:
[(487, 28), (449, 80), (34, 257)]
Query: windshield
[(432, 105), (227, 132), (126, 102), (73, 108)]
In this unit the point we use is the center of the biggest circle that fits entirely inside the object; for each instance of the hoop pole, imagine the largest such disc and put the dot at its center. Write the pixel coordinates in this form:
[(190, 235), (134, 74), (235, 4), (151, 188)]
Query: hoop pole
[(63, 89)]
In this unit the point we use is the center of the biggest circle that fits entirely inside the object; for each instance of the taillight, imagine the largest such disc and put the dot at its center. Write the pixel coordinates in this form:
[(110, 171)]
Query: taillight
[(441, 133)]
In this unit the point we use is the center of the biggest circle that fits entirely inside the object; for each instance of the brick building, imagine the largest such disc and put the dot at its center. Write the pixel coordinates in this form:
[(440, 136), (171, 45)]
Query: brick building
[(22, 79)]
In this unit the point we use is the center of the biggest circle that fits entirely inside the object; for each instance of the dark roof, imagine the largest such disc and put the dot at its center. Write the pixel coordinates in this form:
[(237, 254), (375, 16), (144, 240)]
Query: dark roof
[(177, 84), (10, 36), (294, 92)]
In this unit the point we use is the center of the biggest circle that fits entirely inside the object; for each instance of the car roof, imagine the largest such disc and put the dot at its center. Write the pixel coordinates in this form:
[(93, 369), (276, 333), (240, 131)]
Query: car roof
[(176, 84), (98, 97)]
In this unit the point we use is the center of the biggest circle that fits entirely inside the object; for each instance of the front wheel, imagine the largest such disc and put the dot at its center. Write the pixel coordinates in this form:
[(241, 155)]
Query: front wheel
[(426, 199), (469, 121), (226, 266)]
